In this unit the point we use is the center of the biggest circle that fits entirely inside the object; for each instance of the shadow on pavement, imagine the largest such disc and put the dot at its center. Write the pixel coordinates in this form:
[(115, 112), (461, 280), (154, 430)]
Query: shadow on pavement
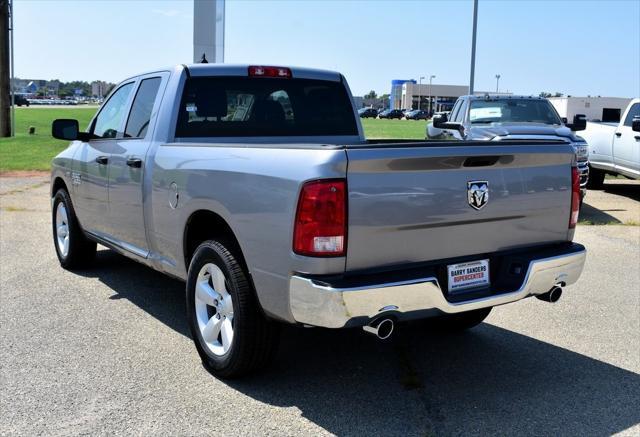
[(596, 216), (487, 381), (630, 190)]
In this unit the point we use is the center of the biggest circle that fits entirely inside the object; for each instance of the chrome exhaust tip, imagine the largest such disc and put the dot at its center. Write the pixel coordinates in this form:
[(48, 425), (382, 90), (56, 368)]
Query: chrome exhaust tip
[(552, 295), (381, 328)]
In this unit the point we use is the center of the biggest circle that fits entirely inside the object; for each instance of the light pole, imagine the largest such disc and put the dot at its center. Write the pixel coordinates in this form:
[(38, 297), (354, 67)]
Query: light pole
[(473, 45), (431, 77), (420, 92), (497, 82)]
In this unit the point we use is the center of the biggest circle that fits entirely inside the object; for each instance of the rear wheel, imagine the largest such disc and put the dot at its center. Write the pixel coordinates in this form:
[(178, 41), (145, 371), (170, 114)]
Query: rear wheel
[(596, 179), (462, 321), (73, 249), (230, 332)]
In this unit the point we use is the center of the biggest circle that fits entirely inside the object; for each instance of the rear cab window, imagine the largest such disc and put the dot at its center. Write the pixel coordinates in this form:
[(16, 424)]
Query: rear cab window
[(220, 106), (140, 114)]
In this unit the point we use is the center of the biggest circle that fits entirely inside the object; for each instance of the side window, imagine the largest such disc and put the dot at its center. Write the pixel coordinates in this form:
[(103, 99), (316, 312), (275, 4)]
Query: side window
[(110, 117), (140, 114), (634, 111), (454, 111), (462, 112)]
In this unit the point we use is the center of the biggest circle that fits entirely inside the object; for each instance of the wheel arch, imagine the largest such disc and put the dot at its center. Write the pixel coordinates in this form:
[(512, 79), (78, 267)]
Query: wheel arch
[(204, 224), (57, 184)]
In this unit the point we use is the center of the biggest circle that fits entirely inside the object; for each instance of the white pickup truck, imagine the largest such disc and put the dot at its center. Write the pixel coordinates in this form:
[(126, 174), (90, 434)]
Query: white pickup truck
[(614, 148)]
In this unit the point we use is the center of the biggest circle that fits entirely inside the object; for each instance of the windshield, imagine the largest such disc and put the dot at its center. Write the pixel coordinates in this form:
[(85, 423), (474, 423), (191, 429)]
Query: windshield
[(249, 107), (512, 111)]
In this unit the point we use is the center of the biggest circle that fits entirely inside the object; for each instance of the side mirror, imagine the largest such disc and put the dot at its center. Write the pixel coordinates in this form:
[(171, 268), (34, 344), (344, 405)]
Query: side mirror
[(439, 121), (579, 122), (635, 124), (442, 122), (65, 129), (564, 120)]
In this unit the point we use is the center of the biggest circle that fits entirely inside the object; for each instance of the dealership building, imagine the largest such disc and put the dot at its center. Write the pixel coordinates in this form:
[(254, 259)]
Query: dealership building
[(408, 94)]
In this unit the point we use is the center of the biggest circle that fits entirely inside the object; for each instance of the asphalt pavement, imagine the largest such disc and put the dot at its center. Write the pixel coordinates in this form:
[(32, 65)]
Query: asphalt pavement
[(107, 351)]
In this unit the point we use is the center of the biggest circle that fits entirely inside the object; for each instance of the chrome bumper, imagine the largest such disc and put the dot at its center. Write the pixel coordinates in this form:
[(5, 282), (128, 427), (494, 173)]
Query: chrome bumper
[(316, 304)]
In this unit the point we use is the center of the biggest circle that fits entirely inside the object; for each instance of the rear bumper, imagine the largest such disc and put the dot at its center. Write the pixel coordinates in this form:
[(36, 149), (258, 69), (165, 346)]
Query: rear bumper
[(319, 303)]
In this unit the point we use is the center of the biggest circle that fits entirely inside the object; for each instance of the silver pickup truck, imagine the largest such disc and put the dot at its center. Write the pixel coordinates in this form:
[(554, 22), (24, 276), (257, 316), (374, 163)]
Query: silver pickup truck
[(255, 185)]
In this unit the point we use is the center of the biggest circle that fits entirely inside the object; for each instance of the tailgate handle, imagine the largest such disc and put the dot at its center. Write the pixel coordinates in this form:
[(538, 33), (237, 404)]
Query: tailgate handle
[(480, 161)]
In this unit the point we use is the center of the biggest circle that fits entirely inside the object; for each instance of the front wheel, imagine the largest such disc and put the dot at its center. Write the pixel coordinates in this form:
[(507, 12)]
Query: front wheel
[(73, 249), (596, 179), (230, 332)]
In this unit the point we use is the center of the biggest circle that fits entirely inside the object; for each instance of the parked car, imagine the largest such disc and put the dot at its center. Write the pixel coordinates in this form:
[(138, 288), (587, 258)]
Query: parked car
[(417, 114), (614, 148), (498, 118), (20, 100), (391, 113), (367, 113), (273, 217)]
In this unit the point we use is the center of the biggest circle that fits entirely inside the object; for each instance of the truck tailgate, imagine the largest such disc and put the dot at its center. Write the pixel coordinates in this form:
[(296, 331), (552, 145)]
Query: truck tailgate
[(410, 202)]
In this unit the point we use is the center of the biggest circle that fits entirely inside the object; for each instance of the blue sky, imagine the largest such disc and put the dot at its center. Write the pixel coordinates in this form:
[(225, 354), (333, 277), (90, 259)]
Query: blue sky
[(575, 47)]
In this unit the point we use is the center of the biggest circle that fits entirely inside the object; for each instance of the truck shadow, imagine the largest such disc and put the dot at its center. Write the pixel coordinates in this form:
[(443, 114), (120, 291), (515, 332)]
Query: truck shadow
[(625, 188), (487, 381), (596, 216)]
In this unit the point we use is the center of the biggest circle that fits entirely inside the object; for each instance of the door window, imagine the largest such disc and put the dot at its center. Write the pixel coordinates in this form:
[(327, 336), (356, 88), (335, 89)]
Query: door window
[(634, 111), (454, 111), (109, 118), (140, 114)]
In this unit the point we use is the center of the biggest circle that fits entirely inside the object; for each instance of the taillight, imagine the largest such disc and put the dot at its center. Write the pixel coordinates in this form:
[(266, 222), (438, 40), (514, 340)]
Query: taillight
[(321, 219), (261, 71), (575, 197)]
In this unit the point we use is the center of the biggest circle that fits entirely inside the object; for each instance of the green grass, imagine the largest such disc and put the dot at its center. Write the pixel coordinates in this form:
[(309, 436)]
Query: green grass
[(35, 152), (400, 129)]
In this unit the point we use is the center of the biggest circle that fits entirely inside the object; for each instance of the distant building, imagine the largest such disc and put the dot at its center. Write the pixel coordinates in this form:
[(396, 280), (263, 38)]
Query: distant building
[(594, 108), (358, 101), (397, 87), (33, 86), (99, 88)]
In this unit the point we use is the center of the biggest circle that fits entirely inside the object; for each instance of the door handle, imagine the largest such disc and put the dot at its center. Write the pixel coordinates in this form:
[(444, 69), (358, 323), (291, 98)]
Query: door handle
[(618, 134), (102, 160), (134, 162)]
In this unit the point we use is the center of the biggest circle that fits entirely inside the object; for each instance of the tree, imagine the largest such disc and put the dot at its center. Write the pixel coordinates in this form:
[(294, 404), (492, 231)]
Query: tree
[(371, 95)]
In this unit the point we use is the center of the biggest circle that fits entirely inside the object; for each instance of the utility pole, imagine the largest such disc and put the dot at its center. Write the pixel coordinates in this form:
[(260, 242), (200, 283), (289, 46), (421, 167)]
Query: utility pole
[(497, 82), (420, 92), (473, 45), (5, 99)]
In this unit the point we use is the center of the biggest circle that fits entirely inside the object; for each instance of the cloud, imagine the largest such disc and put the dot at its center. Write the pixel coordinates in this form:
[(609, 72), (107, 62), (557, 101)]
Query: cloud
[(166, 12)]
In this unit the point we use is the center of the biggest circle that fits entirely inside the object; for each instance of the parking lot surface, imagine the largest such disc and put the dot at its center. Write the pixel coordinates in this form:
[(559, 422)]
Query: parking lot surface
[(107, 351)]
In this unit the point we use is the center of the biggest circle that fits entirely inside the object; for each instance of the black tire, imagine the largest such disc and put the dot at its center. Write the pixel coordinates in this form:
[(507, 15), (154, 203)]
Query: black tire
[(255, 338), (596, 179), (461, 321), (81, 251)]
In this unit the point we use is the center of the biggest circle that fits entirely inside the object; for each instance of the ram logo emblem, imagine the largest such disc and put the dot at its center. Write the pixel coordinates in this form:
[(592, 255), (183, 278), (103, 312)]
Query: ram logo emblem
[(477, 194)]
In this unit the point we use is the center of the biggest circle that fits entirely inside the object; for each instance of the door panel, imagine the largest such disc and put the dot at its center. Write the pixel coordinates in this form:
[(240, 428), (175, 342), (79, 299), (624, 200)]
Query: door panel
[(91, 188), (90, 181), (126, 169), (626, 149)]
